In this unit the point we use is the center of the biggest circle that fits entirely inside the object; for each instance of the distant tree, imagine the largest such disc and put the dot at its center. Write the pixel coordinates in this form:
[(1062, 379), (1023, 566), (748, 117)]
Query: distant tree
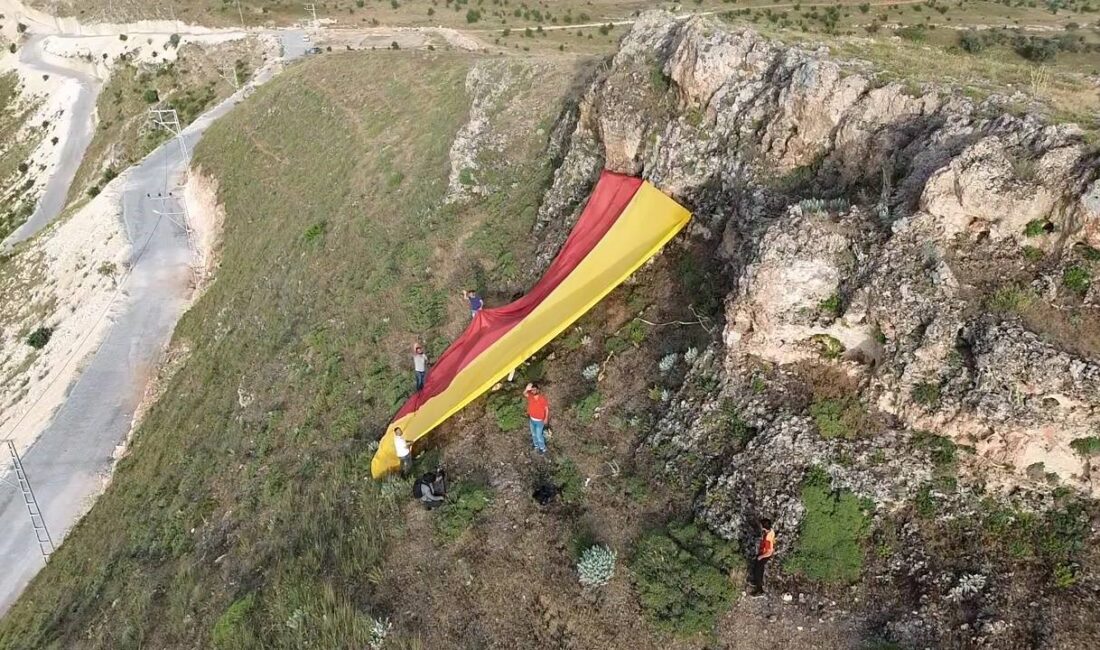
[(971, 41)]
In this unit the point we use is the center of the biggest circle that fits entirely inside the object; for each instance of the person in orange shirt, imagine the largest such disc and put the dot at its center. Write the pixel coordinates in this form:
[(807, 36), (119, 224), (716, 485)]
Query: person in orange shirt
[(538, 409), (763, 553)]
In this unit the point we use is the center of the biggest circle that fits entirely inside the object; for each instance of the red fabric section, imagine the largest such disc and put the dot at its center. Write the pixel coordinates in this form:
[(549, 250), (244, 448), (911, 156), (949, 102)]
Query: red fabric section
[(611, 196)]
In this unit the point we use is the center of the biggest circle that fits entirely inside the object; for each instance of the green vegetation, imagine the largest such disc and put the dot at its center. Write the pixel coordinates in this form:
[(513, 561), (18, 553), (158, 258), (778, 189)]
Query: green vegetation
[(1037, 227), (40, 337), (508, 409), (463, 506), (1009, 299), (827, 346), (585, 409), (941, 451), (1055, 539), (927, 394), (1086, 447), (840, 417), (831, 306), (830, 542), (191, 84), (279, 491), (569, 481), (596, 566), (680, 577), (231, 630), (1077, 279)]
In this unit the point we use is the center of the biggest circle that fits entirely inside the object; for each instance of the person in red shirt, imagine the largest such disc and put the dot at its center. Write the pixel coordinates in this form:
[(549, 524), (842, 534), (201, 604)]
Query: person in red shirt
[(763, 553), (538, 409)]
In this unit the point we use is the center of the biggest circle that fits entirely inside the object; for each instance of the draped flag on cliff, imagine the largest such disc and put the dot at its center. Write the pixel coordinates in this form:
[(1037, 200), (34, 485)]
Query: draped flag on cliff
[(625, 222)]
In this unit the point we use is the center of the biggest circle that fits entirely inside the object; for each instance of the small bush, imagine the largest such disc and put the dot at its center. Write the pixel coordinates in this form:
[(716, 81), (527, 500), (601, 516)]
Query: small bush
[(1033, 254), (585, 409), (314, 232), (509, 410), (1077, 279), (23, 167), (123, 37), (926, 394), (232, 629), (827, 346), (1087, 447), (829, 546), (569, 481), (972, 42), (838, 417), (1008, 299), (596, 566), (463, 506), (1038, 227), (174, 40), (151, 96), (40, 337), (678, 591), (941, 451), (473, 15), (831, 306), (107, 268), (93, 191)]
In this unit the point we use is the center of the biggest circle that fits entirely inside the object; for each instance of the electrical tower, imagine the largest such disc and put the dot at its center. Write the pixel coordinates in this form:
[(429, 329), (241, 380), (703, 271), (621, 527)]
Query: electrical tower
[(169, 119), (38, 521), (312, 9)]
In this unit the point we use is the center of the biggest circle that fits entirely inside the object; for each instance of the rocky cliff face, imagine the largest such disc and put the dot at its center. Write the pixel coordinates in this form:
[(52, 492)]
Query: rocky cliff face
[(911, 255)]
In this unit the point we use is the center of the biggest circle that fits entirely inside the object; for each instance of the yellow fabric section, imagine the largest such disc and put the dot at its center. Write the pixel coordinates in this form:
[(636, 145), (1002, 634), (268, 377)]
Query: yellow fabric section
[(649, 221)]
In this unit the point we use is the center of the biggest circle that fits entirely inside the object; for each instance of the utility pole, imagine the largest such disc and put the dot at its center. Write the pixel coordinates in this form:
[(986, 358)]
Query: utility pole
[(168, 119), (312, 9), (240, 13), (38, 521), (175, 210)]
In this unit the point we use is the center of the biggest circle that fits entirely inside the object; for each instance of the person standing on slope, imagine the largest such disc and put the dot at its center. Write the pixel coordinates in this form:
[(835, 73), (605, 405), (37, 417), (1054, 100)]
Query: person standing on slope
[(402, 450), (538, 409), (763, 553), (476, 303), (420, 366)]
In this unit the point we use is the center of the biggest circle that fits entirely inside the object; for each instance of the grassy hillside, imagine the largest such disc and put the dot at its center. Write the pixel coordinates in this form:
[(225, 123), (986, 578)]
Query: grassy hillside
[(244, 515), (194, 82)]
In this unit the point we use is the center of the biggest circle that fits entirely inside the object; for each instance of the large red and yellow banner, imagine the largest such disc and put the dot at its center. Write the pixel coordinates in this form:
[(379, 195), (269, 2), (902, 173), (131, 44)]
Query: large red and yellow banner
[(625, 222)]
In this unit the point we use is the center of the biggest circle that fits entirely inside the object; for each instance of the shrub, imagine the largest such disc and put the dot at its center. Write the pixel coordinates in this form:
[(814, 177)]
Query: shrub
[(1077, 279), (174, 40), (473, 15), (827, 346), (596, 566), (926, 394), (151, 96), (831, 306), (840, 417), (314, 232), (677, 590), (972, 42), (586, 407), (569, 481), (23, 167), (123, 37), (508, 410), (1037, 227), (1087, 447), (463, 506), (829, 546), (232, 630), (914, 33), (941, 451), (1033, 254), (40, 337), (1008, 299), (1087, 252), (93, 191)]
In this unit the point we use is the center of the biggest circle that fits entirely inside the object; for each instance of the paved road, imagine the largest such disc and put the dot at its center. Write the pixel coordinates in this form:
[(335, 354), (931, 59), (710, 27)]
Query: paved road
[(74, 142), (68, 462)]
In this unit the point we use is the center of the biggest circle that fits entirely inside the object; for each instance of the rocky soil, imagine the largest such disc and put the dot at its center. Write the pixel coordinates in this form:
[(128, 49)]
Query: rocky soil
[(893, 252)]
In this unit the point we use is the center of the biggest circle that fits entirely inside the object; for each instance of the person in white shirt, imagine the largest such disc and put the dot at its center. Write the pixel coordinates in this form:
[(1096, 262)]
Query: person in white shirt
[(420, 366), (403, 450)]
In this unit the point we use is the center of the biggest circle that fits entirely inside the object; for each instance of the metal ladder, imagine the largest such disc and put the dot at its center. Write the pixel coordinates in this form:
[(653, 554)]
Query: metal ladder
[(38, 522)]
